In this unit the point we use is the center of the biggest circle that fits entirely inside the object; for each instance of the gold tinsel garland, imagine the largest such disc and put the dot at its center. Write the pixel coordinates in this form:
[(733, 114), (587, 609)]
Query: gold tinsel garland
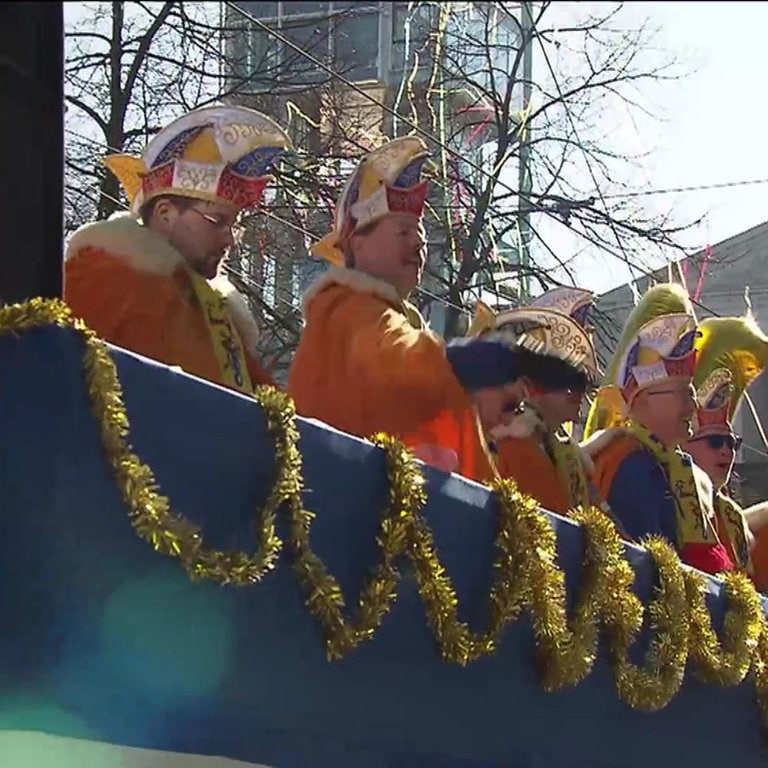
[(527, 575)]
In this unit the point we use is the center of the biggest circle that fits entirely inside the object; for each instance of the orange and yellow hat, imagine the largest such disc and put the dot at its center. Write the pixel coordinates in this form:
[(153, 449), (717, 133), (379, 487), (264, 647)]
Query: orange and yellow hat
[(387, 180), (215, 153), (731, 354)]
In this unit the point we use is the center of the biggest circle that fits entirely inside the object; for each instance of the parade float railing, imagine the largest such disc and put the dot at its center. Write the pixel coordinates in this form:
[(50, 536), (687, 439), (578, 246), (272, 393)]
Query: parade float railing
[(186, 569)]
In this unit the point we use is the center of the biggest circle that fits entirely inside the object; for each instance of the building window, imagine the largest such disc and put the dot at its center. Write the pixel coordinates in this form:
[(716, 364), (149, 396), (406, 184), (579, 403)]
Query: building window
[(312, 36), (344, 35), (260, 10), (357, 46), (411, 30), (304, 9), (477, 33)]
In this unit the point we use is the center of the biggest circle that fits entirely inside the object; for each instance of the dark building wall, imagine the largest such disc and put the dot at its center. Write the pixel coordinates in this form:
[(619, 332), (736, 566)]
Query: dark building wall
[(31, 150)]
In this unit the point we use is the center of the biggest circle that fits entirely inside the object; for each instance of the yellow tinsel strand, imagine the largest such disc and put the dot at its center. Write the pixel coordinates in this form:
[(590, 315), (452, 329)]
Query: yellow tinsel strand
[(526, 570), (457, 642), (729, 663), (606, 572), (760, 665), (653, 686), (149, 511), (324, 597)]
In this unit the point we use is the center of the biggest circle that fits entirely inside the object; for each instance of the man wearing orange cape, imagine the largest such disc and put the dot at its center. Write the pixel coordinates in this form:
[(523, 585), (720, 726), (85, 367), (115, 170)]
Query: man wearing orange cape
[(366, 361), (149, 280)]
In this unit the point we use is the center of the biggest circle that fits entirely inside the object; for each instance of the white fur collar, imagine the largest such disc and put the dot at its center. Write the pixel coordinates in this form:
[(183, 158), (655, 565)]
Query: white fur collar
[(141, 249), (526, 424), (124, 237), (354, 279), (522, 425)]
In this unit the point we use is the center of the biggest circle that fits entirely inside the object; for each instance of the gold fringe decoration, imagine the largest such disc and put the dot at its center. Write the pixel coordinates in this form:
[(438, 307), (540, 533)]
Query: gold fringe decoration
[(527, 576), (653, 687), (149, 511), (742, 627)]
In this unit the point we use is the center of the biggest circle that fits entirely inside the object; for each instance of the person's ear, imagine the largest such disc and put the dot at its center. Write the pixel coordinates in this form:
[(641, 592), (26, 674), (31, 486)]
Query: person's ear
[(528, 388), (166, 213)]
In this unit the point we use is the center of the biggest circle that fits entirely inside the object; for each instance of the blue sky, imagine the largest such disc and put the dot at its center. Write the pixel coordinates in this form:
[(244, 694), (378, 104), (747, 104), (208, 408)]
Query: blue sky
[(710, 128)]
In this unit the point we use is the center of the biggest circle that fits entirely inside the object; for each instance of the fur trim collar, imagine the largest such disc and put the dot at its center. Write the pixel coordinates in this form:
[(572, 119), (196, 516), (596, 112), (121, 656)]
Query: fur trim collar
[(528, 423), (597, 442), (141, 249), (522, 425), (354, 279), (124, 237)]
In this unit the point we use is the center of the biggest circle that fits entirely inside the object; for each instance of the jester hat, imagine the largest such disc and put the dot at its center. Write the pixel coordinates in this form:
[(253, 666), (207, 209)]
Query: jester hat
[(387, 180), (657, 344), (731, 352), (218, 153), (553, 331)]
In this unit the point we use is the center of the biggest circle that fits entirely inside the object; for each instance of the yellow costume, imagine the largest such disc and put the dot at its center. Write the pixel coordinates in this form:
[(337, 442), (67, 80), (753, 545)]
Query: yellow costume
[(135, 290)]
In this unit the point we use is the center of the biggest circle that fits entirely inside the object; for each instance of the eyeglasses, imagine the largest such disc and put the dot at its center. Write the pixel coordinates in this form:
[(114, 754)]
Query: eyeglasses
[(717, 442), (221, 223)]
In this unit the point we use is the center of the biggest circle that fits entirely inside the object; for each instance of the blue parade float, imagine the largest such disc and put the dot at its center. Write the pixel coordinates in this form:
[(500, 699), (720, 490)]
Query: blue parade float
[(107, 639)]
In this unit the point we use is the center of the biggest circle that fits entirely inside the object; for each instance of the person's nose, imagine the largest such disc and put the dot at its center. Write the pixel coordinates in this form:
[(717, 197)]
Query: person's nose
[(417, 242)]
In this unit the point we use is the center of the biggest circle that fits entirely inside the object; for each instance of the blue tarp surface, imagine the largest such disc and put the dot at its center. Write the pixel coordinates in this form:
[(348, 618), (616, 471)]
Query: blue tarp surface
[(105, 639)]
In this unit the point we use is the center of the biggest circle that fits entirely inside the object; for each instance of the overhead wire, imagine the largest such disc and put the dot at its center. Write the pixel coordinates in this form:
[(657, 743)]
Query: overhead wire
[(329, 70), (377, 102), (269, 214)]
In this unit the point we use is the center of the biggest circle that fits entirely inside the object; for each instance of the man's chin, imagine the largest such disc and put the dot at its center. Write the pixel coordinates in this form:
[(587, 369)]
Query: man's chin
[(209, 270)]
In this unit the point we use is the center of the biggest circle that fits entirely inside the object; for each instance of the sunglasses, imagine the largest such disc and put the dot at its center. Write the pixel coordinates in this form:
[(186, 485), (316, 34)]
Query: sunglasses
[(717, 442)]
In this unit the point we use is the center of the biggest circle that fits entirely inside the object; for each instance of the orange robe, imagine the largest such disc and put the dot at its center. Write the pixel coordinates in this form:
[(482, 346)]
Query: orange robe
[(134, 291), (366, 363), (525, 461)]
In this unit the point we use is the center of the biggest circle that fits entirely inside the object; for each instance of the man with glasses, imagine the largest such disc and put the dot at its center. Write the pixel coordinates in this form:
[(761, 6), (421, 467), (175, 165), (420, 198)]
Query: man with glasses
[(731, 353), (149, 280), (638, 420)]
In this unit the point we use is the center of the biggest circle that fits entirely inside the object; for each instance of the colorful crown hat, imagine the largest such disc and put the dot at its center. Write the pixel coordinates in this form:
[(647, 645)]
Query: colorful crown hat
[(663, 349), (217, 153), (574, 302), (713, 411), (554, 324), (731, 352), (656, 343), (387, 180)]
